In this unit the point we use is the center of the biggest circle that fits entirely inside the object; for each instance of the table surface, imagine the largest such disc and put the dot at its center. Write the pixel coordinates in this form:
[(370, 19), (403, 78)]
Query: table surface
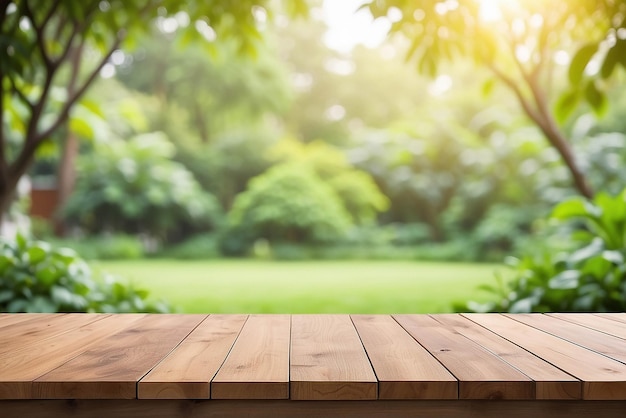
[(313, 357)]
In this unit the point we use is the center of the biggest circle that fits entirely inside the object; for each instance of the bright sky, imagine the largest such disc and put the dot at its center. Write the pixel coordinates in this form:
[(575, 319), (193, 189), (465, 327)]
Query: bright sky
[(347, 28)]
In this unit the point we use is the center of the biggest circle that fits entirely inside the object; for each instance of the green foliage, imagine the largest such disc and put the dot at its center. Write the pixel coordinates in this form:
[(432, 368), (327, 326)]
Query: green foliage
[(197, 247), (224, 166), (589, 277), (35, 277), (132, 186), (104, 247), (51, 54), (290, 203), (356, 189)]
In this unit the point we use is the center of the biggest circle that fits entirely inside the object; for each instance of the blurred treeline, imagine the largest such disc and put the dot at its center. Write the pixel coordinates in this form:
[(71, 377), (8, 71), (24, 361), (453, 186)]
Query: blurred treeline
[(299, 151)]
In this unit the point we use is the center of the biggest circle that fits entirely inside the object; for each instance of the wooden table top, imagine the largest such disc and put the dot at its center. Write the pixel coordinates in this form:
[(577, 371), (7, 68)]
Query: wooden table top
[(313, 357)]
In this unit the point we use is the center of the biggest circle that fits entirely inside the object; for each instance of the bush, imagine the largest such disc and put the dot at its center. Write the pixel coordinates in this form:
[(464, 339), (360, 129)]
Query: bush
[(289, 204), (198, 247), (106, 247), (591, 277), (134, 187), (35, 277)]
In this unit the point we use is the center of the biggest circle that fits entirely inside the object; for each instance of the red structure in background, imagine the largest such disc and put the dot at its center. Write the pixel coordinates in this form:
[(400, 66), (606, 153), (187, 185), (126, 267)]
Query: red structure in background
[(43, 203)]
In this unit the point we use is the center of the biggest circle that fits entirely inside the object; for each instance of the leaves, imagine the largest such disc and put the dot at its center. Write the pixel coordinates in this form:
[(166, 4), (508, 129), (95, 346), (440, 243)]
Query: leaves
[(616, 55), (566, 104), (589, 277), (596, 98), (39, 278), (580, 61)]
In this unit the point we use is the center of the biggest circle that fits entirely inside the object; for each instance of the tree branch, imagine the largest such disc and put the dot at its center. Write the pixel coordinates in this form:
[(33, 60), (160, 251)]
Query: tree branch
[(3, 161), (50, 13), (523, 100), (79, 92), (20, 94), (39, 32)]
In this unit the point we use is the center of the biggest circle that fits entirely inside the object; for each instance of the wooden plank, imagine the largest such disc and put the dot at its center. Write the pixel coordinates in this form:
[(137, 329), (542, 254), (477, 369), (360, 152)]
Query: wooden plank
[(187, 372), (610, 346), (111, 369), (602, 377), (550, 382), (22, 335), (619, 317), (7, 319), (328, 361), (314, 409), (481, 374), (405, 370), (18, 369), (258, 364), (596, 322)]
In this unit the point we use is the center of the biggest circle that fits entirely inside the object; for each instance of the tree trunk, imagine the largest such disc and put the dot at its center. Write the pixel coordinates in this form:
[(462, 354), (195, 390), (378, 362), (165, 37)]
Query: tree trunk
[(8, 188), (536, 107), (66, 177)]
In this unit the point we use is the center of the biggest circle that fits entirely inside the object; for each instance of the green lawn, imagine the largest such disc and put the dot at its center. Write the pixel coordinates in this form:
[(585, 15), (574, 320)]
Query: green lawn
[(247, 286)]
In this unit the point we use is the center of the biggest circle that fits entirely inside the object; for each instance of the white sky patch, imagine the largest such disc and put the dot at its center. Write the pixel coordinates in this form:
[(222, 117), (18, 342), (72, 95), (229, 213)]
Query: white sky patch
[(442, 84), (348, 28), (107, 71), (561, 58), (339, 66), (523, 53), (118, 57), (335, 112), (205, 30)]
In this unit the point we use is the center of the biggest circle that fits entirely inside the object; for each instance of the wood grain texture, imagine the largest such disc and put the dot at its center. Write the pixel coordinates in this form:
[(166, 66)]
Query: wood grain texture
[(112, 368), (609, 345), (14, 318), (258, 364), (22, 334), (603, 378), (550, 382), (599, 323), (405, 370), (481, 374), (18, 369), (619, 317), (313, 409), (187, 371), (328, 361)]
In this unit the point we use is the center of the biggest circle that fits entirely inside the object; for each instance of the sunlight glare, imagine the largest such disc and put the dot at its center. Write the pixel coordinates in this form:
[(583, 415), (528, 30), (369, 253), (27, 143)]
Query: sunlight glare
[(348, 26), (442, 84), (489, 10), (561, 58)]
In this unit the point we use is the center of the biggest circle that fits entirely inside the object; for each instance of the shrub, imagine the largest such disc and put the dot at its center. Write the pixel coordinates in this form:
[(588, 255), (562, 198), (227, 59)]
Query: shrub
[(590, 277), (35, 277), (105, 247), (198, 247), (289, 203), (134, 187)]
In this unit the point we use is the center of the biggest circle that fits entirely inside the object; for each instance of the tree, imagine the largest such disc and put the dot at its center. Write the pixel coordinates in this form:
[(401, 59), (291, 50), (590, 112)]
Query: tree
[(44, 46), (216, 91), (519, 42)]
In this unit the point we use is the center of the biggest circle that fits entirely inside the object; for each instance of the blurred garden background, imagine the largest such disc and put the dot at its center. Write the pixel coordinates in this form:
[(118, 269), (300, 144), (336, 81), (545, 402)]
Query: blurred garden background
[(313, 156)]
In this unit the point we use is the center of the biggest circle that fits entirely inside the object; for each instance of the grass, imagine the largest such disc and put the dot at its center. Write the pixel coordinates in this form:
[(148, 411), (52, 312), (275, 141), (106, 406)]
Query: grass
[(248, 286)]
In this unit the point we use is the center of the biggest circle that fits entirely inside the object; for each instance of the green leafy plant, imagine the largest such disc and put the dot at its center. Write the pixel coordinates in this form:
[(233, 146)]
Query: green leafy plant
[(36, 277), (198, 247), (133, 186), (290, 203), (104, 247), (591, 276)]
